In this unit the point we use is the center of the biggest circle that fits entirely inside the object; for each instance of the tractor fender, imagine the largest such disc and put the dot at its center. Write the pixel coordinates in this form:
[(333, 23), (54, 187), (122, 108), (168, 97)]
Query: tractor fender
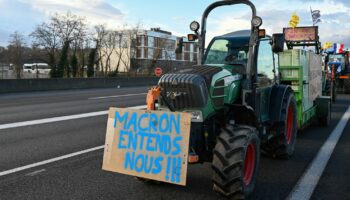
[(244, 115), (276, 97)]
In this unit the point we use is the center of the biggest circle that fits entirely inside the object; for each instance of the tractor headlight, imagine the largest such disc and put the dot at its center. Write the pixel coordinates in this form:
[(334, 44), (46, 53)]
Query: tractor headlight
[(196, 116), (256, 21), (194, 26)]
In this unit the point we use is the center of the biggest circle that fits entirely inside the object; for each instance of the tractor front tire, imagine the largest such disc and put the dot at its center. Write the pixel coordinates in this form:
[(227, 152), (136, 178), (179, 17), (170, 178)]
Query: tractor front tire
[(282, 144), (235, 161), (146, 180)]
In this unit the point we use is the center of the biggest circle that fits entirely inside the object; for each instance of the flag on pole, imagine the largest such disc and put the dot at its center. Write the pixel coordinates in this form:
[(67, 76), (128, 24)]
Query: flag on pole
[(327, 45), (316, 16), (294, 20), (338, 48)]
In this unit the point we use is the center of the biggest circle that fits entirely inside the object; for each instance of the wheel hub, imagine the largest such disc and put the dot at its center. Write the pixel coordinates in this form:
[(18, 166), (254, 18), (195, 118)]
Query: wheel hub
[(289, 128), (249, 165)]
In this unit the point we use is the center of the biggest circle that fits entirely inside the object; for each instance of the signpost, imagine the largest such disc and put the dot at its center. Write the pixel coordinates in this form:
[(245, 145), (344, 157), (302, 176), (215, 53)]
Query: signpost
[(158, 71), (148, 144), (301, 34)]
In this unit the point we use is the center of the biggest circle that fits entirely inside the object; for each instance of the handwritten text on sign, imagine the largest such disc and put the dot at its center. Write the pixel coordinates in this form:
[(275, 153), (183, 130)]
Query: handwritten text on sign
[(148, 144)]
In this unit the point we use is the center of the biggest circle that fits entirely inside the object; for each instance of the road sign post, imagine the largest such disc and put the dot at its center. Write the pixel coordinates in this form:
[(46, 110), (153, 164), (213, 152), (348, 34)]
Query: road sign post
[(158, 71)]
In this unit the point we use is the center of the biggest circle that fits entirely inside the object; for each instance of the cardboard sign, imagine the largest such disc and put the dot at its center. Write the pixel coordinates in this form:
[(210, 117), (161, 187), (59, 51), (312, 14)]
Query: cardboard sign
[(300, 34), (148, 144)]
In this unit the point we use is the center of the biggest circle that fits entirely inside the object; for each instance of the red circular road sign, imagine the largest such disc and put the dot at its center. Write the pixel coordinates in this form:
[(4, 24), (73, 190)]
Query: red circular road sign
[(158, 71)]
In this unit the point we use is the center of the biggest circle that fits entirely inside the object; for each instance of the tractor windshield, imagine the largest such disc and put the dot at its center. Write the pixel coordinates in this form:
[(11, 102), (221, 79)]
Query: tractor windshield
[(337, 58), (228, 51)]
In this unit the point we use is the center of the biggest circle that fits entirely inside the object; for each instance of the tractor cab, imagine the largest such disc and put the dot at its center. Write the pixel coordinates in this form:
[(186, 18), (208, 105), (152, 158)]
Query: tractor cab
[(228, 49), (231, 52), (339, 61), (337, 68)]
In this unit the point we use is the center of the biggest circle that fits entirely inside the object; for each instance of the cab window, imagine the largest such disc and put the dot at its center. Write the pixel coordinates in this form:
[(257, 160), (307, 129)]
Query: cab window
[(217, 52), (265, 64), (228, 51)]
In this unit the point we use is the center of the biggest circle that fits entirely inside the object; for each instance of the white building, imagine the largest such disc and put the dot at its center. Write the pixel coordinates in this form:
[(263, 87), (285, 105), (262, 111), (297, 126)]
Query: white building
[(148, 49), (160, 45)]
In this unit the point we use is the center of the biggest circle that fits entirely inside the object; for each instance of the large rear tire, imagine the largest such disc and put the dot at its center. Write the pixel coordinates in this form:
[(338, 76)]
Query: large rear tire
[(282, 144), (324, 121), (235, 162)]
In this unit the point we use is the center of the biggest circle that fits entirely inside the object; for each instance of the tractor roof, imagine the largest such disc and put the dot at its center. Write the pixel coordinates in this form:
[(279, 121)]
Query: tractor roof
[(243, 33)]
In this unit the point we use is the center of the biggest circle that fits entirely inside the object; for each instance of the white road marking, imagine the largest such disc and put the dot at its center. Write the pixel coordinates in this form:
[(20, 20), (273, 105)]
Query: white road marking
[(58, 119), (18, 169), (308, 182), (35, 172), (116, 96)]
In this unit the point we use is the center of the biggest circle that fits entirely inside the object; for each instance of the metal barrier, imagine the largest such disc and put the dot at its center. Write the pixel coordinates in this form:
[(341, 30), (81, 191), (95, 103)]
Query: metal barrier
[(28, 85)]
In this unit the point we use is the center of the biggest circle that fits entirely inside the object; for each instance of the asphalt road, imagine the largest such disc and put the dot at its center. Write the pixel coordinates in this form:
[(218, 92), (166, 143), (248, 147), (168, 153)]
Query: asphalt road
[(81, 177)]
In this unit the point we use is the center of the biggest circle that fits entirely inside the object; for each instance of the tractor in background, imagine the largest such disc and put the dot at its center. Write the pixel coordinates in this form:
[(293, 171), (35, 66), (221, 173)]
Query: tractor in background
[(337, 68)]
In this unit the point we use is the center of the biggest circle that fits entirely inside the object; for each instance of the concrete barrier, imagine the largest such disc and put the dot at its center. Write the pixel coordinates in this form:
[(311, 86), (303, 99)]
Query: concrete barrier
[(28, 85)]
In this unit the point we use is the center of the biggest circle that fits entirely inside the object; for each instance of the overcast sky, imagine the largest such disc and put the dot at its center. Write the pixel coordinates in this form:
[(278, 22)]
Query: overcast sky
[(175, 16)]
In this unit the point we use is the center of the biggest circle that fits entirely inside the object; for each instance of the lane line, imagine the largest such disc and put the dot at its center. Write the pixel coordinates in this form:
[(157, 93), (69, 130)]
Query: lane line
[(35, 172), (309, 180), (18, 169), (58, 119), (116, 96)]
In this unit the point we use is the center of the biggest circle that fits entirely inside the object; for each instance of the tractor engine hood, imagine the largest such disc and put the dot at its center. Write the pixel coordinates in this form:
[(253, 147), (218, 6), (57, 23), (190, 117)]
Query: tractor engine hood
[(188, 88)]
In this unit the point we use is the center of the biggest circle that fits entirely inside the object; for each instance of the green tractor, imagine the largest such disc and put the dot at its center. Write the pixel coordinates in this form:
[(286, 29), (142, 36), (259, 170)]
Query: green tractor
[(238, 107)]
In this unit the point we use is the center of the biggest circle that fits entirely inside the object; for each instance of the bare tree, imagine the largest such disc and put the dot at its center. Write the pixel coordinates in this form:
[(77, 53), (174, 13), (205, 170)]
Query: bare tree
[(120, 48), (80, 44), (91, 62), (83, 51), (3, 60), (46, 36), (58, 33), (107, 43), (99, 37), (16, 49), (70, 27), (108, 46), (127, 47)]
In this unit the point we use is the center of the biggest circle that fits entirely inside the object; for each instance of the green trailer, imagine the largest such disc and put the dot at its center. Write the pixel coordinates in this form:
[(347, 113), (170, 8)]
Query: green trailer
[(302, 69)]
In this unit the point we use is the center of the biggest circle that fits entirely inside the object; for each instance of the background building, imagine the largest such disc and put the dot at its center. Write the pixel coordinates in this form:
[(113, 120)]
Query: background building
[(141, 51), (156, 48)]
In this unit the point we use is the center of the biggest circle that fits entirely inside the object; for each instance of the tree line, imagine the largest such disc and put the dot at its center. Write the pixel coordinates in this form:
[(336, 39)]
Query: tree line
[(72, 48)]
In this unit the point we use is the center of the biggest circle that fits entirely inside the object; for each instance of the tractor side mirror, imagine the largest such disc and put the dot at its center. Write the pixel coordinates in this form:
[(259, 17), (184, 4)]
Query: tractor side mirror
[(277, 42)]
